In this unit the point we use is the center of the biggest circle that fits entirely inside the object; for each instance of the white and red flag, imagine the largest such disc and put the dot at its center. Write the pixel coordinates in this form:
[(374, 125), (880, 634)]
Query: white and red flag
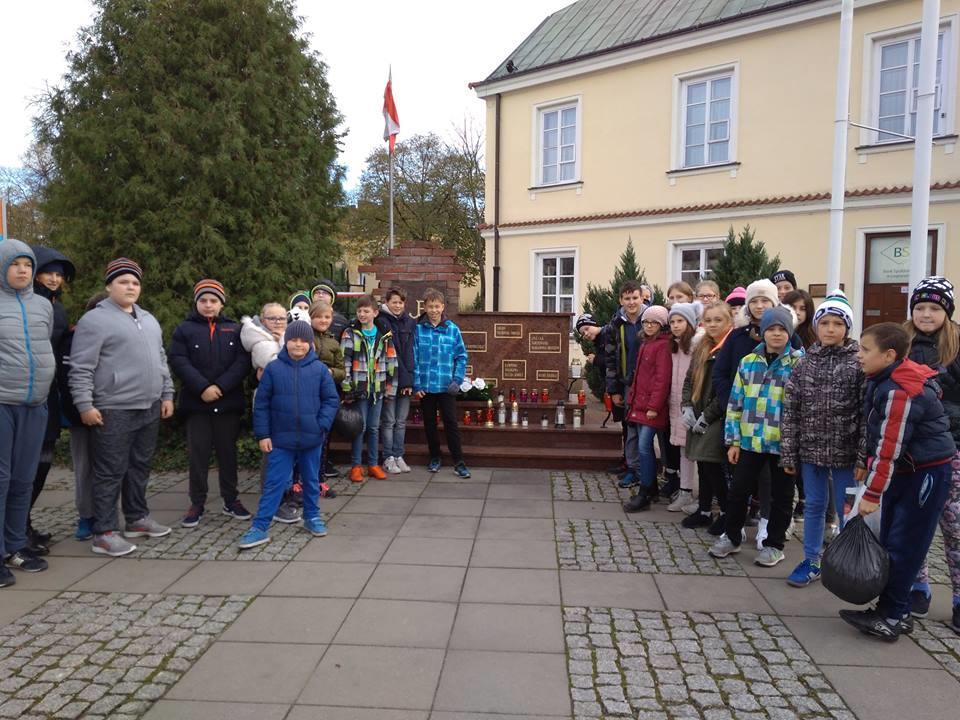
[(391, 121)]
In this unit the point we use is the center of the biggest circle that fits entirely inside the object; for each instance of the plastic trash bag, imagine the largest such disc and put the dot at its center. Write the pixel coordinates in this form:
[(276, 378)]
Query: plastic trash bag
[(855, 566), (854, 495), (349, 422)]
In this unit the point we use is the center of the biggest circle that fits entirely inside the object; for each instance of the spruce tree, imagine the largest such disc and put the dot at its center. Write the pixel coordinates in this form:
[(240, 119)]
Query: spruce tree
[(744, 260)]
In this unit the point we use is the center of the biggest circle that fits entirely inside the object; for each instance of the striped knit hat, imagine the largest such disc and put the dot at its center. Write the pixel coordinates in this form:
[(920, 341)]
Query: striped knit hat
[(835, 304), (209, 286), (937, 290), (123, 266)]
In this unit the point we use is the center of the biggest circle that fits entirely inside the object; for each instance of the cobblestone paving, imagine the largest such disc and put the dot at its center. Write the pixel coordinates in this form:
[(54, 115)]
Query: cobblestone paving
[(941, 642), (659, 665), (61, 478), (250, 483), (638, 546), (95, 655), (60, 522), (593, 487)]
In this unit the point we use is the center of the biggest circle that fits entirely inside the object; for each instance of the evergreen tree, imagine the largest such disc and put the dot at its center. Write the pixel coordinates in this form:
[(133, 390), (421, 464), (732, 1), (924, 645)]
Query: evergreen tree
[(200, 138), (744, 260)]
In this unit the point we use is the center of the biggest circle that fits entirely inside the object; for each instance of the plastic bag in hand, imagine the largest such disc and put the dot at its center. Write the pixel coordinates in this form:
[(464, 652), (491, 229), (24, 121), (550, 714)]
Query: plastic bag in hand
[(855, 566), (349, 421)]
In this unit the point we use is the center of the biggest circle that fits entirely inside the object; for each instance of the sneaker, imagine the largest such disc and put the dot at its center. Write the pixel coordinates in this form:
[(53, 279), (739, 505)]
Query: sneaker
[(376, 472), (638, 502), (327, 492), (402, 464), (671, 484), (919, 603), (684, 498), (329, 471), (618, 469), (719, 525), (955, 620), (145, 527), (356, 474), (25, 560), (236, 510), (315, 526), (761, 533), (84, 529), (38, 542), (6, 577), (723, 547), (798, 511), (768, 557), (462, 470), (288, 514), (907, 624), (788, 535), (390, 466), (252, 538), (110, 543), (696, 520), (804, 574), (691, 507), (434, 465), (192, 518), (869, 622), (628, 479), (296, 493)]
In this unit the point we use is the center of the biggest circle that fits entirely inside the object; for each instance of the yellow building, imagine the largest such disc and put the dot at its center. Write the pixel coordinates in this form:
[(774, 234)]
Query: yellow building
[(669, 122)]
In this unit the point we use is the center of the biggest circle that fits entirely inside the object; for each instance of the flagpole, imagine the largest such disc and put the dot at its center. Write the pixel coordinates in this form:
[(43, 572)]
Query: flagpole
[(391, 200)]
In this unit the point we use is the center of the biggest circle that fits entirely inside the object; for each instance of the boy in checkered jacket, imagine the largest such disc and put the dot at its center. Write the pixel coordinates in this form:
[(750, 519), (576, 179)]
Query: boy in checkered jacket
[(752, 434)]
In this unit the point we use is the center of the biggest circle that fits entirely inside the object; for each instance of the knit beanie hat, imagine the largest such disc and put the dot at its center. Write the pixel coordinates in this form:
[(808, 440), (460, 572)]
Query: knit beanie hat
[(690, 312), (656, 313), (835, 304), (298, 296), (784, 276), (737, 297), (211, 287), (937, 290), (122, 266), (780, 315), (586, 320), (325, 286), (300, 330), (762, 288)]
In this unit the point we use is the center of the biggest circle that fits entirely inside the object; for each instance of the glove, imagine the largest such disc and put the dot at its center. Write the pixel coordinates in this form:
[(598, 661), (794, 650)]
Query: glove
[(453, 388), (689, 417), (700, 427)]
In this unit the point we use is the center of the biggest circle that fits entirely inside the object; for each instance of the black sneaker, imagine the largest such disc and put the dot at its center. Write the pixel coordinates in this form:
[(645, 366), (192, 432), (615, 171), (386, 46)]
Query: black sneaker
[(907, 624), (6, 577), (798, 511), (192, 518), (329, 471), (26, 561), (696, 520), (919, 603), (869, 622), (955, 620), (672, 484), (719, 526), (638, 503), (236, 510)]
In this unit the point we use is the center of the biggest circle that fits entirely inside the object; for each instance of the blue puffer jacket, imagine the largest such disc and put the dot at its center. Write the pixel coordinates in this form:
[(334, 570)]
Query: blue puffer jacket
[(403, 329), (296, 402), (208, 352)]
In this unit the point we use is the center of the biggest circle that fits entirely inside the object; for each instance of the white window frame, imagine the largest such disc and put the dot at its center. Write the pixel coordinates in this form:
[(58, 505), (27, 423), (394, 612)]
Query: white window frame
[(675, 256), (870, 94), (678, 125), (536, 168), (537, 257)]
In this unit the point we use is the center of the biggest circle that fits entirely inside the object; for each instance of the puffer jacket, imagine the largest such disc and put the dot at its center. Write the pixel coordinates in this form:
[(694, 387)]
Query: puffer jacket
[(361, 379), (402, 330), (679, 365), (27, 362), (621, 345), (258, 341), (822, 419), (296, 402), (906, 427), (330, 353), (923, 350), (208, 352), (651, 383), (707, 447)]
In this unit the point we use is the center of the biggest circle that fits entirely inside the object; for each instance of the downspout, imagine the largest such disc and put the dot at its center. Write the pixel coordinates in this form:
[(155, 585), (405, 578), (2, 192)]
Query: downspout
[(496, 207)]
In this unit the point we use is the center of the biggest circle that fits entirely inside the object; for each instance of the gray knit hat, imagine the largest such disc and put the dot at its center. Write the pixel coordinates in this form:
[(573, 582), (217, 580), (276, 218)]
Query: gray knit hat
[(300, 330), (691, 312)]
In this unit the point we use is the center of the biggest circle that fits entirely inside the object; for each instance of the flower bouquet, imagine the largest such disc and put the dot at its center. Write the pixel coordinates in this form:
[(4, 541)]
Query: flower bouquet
[(475, 389)]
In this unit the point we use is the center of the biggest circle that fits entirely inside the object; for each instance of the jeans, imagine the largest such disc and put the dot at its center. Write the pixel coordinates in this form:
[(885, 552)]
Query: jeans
[(21, 439), (280, 462), (645, 460), (369, 408), (910, 511), (816, 490), (393, 425), (216, 432), (746, 478), (81, 438), (447, 404)]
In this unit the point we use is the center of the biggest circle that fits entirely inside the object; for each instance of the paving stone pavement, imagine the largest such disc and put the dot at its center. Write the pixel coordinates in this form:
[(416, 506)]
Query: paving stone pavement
[(588, 486)]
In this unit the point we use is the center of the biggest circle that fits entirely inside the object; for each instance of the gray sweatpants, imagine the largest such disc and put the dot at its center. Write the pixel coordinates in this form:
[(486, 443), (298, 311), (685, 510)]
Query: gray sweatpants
[(81, 438)]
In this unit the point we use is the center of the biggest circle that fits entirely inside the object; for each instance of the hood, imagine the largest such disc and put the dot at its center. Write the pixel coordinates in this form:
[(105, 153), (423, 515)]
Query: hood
[(10, 250), (742, 318), (622, 314), (912, 376), (385, 310), (310, 357), (47, 255), (849, 347), (424, 320)]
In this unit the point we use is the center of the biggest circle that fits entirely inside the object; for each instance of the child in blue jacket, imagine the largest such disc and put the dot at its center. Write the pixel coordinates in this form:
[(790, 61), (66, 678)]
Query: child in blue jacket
[(293, 411)]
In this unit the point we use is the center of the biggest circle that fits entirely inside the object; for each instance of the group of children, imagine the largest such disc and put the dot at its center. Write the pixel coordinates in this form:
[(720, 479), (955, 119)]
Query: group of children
[(767, 395)]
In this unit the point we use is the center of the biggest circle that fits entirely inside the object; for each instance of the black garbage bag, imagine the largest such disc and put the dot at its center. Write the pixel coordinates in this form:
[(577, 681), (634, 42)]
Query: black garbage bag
[(349, 422), (855, 566)]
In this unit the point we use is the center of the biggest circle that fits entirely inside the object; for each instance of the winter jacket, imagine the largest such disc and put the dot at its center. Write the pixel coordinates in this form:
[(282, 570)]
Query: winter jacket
[(44, 257), (27, 362), (923, 350), (207, 352), (360, 379), (440, 356), (296, 402), (651, 387), (259, 342), (330, 353), (707, 447), (822, 419), (906, 427), (622, 343), (756, 400), (679, 364), (117, 360), (67, 408), (402, 329)]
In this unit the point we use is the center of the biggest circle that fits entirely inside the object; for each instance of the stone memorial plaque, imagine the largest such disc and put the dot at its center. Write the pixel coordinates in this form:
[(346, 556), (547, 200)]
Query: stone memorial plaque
[(469, 371), (475, 340), (492, 382), (503, 331), (545, 342), (513, 369), (548, 376)]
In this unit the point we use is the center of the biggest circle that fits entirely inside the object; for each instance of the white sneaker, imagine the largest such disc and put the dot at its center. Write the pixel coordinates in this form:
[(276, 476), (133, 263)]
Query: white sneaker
[(790, 529), (761, 532), (390, 466), (401, 464), (684, 498), (692, 507)]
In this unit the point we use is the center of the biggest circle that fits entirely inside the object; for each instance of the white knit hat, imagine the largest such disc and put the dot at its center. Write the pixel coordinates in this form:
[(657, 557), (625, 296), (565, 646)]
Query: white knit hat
[(835, 304), (762, 288)]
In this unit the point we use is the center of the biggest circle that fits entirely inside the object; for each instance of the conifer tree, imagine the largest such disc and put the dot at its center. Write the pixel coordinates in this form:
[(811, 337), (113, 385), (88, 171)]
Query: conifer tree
[(744, 260)]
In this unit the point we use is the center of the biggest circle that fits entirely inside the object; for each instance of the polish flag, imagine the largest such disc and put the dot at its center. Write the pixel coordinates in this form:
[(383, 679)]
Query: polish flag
[(391, 121)]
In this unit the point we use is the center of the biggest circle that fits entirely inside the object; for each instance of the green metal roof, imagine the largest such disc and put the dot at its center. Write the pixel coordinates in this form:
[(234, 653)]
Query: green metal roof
[(591, 27)]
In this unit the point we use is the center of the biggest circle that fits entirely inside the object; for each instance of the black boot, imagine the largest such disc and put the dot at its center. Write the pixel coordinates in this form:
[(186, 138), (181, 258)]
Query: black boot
[(638, 502)]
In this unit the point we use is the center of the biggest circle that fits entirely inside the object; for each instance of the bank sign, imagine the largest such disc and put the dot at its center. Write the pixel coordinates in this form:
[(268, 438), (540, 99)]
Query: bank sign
[(890, 260)]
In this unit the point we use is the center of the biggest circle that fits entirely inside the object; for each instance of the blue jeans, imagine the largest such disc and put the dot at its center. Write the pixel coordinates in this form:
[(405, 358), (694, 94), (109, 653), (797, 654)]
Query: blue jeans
[(816, 483), (393, 425), (641, 437), (280, 462), (21, 439), (370, 410)]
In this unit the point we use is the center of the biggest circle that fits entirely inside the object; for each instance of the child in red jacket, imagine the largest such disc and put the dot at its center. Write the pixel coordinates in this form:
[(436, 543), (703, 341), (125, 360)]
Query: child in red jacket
[(647, 402)]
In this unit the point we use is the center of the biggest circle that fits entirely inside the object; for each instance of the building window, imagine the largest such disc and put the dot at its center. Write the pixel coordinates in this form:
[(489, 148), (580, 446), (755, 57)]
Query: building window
[(706, 119), (556, 282), (696, 262), (897, 63), (558, 144)]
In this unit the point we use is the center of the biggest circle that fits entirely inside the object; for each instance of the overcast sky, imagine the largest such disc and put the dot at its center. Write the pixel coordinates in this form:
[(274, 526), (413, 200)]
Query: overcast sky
[(435, 46)]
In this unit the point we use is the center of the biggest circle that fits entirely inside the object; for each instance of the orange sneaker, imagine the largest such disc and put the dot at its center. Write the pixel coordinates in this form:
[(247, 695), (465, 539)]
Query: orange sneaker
[(376, 472), (356, 474)]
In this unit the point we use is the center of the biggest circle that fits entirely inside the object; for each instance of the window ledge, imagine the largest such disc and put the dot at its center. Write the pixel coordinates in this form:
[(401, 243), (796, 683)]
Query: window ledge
[(731, 167), (876, 148), (575, 185)]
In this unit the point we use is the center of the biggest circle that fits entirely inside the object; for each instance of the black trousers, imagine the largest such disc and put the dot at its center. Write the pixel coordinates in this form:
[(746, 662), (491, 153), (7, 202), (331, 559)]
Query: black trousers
[(208, 433), (746, 475), (713, 484), (447, 404)]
